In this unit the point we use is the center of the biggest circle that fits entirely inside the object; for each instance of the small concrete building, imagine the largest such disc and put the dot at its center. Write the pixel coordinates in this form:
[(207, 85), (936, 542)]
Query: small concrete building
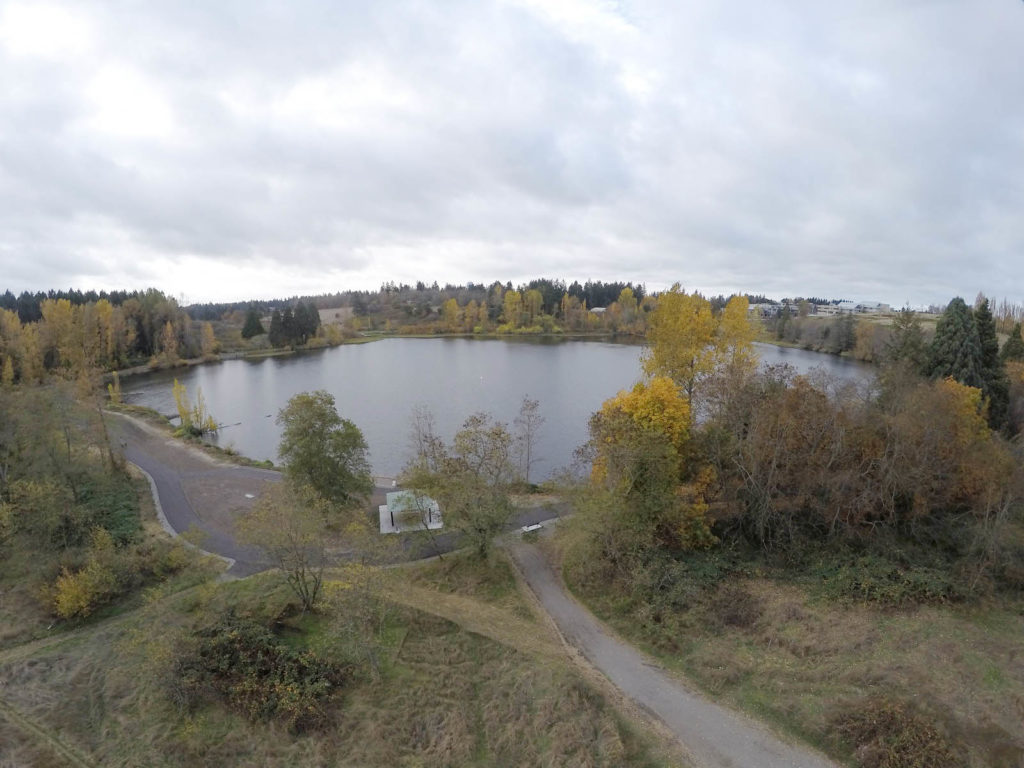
[(407, 511)]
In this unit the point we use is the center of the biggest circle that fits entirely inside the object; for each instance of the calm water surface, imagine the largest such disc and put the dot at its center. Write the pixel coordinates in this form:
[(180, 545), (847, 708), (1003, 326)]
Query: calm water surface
[(378, 386)]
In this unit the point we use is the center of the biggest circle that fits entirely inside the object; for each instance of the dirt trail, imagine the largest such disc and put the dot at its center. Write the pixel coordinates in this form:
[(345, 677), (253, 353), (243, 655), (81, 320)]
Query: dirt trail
[(481, 618), (714, 736), (67, 753)]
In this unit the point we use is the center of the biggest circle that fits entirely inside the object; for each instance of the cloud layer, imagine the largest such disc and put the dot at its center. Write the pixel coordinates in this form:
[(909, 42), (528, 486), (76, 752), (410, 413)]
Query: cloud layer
[(867, 150)]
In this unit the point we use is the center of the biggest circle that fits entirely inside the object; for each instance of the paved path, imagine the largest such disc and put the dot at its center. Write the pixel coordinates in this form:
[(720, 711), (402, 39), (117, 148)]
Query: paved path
[(716, 737), (197, 493)]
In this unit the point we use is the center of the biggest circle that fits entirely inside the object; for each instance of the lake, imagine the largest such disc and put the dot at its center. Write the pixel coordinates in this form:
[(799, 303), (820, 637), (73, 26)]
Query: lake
[(378, 385)]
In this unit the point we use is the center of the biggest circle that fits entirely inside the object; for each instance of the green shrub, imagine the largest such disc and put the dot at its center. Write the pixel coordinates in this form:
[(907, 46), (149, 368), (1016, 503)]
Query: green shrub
[(244, 665), (873, 578)]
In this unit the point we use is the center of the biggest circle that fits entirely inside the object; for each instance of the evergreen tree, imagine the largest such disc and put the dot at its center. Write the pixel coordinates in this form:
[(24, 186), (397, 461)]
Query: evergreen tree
[(288, 326), (277, 338), (1013, 349), (253, 326), (995, 385), (906, 346), (956, 349)]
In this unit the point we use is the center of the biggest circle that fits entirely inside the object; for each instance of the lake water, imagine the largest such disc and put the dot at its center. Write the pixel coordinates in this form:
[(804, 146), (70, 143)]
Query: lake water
[(378, 386)]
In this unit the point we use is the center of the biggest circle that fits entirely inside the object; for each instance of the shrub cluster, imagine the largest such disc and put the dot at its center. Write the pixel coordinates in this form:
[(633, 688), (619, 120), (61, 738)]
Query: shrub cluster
[(244, 665), (886, 734), (110, 571)]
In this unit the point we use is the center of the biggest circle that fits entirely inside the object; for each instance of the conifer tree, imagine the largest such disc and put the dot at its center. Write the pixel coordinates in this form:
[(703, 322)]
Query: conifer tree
[(253, 326), (995, 385), (956, 349), (277, 338), (906, 346), (1013, 349)]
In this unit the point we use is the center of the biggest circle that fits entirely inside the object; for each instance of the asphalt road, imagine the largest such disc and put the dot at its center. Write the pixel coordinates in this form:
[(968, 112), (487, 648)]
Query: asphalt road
[(202, 497), (716, 737)]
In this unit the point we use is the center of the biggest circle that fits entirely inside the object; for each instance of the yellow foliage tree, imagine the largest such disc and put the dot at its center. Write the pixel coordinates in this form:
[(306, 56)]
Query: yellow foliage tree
[(169, 344), (656, 405), (640, 442), (207, 340), (78, 594), (736, 334), (681, 335), (452, 315), (512, 309)]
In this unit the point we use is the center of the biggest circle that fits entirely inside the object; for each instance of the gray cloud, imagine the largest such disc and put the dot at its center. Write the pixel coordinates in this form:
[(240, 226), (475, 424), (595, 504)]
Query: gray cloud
[(859, 150)]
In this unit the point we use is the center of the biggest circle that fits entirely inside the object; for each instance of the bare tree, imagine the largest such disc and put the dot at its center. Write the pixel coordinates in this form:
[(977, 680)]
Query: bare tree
[(527, 425), (289, 526)]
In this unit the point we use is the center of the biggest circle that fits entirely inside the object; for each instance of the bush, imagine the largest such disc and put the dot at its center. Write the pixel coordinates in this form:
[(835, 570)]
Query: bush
[(733, 606), (873, 578), (242, 664), (886, 734), (78, 594)]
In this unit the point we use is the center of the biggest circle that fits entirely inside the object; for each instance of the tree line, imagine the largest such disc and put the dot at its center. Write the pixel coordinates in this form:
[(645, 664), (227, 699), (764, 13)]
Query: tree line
[(710, 452), (74, 338)]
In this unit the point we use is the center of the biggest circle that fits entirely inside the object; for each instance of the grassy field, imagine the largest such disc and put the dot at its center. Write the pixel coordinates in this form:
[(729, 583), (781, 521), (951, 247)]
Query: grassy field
[(785, 653), (444, 696)]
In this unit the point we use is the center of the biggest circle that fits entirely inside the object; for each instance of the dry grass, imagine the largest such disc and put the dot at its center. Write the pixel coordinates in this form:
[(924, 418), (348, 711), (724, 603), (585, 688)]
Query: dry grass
[(799, 662), (463, 574), (448, 697)]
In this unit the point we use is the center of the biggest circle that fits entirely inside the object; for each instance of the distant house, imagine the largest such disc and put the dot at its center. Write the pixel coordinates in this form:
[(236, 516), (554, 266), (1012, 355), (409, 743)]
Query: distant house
[(598, 310), (873, 307), (763, 309), (408, 511)]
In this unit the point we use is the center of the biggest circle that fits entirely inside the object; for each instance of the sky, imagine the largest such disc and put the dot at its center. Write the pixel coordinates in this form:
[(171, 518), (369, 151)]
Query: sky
[(868, 150)]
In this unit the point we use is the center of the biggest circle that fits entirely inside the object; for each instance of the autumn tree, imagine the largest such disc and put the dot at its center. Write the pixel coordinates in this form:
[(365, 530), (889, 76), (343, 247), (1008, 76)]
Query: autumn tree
[(639, 446), (168, 344), (469, 477), (288, 524), (208, 342), (688, 343), (324, 451), (681, 335)]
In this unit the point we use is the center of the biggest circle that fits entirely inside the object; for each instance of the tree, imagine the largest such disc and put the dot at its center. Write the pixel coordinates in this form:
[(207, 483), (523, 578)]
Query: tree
[(906, 346), (469, 478), (208, 342), (956, 349), (1013, 349), (680, 334), (288, 523), (277, 337), (195, 418), (252, 326), (324, 451), (527, 424), (736, 334), (638, 448), (169, 344), (994, 383), (689, 344), (452, 315)]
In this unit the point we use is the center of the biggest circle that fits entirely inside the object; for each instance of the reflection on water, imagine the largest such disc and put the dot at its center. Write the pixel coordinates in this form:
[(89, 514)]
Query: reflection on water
[(378, 386)]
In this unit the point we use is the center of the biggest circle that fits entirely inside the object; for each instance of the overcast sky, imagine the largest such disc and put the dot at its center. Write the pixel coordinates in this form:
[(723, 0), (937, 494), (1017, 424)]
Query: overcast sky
[(869, 149)]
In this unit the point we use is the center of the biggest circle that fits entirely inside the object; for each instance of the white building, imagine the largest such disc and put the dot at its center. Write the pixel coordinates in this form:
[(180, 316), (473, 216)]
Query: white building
[(407, 511)]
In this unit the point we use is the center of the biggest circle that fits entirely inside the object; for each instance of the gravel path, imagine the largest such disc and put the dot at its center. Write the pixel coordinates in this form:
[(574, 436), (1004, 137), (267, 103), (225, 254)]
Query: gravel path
[(716, 737)]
